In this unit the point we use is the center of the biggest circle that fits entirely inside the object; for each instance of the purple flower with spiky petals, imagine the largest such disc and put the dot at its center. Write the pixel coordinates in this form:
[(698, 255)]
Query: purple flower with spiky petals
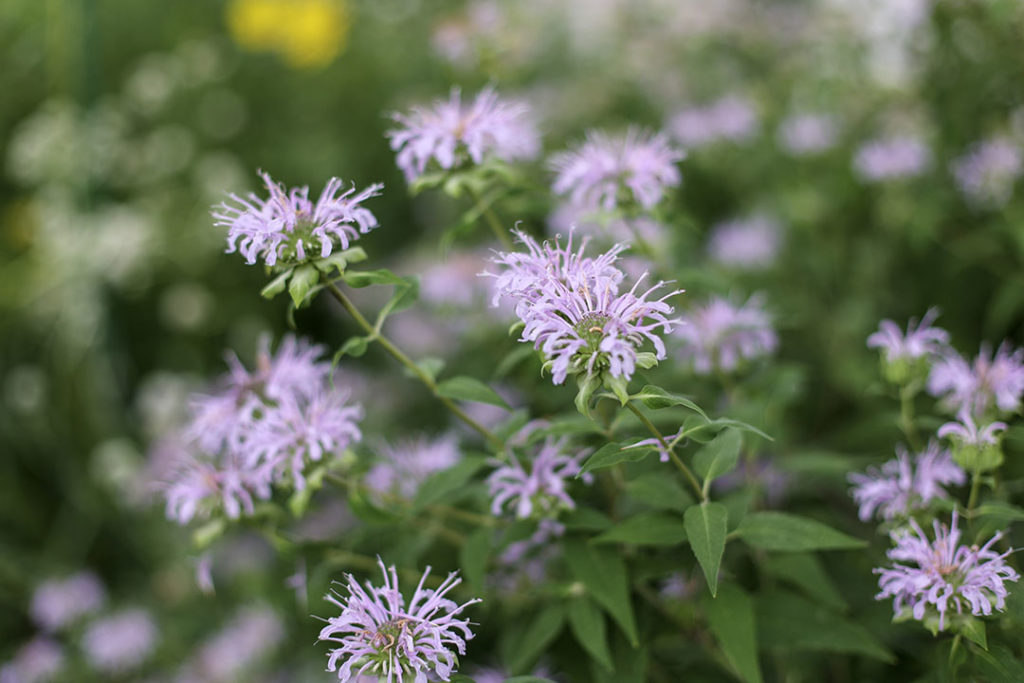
[(57, 603), (720, 335), (202, 481), (407, 463), (451, 133), (251, 634), (992, 381), (942, 574), (120, 642), (987, 172), (891, 159), (287, 225), (749, 242), (380, 636), (967, 433), (541, 491), (902, 486), (606, 171), (37, 661), (921, 339)]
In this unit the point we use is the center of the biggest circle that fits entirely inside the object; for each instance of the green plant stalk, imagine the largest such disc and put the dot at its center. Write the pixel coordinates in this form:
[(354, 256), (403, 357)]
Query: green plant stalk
[(687, 472), (400, 356), (907, 394), (493, 221)]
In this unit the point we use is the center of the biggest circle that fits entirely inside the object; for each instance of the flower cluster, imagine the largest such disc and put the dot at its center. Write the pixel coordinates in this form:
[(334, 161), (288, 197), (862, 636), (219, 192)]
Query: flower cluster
[(260, 428), (288, 225), (573, 312), (976, 449), (902, 486), (992, 381), (451, 133), (379, 635), (58, 603), (930, 577), (541, 491), (120, 642), (720, 336), (908, 355), (607, 172), (404, 465)]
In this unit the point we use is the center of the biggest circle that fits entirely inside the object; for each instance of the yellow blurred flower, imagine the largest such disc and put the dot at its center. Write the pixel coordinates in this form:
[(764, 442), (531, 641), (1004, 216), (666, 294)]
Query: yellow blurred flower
[(306, 33)]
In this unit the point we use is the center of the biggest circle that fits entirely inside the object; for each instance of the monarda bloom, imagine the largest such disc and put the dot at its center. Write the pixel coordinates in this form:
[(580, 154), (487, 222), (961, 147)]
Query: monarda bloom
[(720, 335), (287, 226), (991, 382), (804, 135), (407, 463), (540, 489), (121, 642), (891, 158), (732, 118), (908, 355), (452, 133), (975, 449), (987, 172), (746, 243), (378, 634), (929, 578), (58, 603), (607, 172), (902, 486)]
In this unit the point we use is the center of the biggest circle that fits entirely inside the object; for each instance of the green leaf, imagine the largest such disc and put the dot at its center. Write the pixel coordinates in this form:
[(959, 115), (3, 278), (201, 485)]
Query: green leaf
[(405, 296), (432, 367), (353, 346), (603, 573), (732, 621), (783, 531), (1000, 665), (587, 624), (304, 278), (656, 398), (588, 384), (276, 286), (740, 425), (706, 526), (529, 642), (612, 454), (585, 519), (971, 627), (619, 386), (468, 389), (650, 528), (381, 276), (999, 511), (719, 456), (658, 491), (805, 572), (339, 260), (442, 484), (473, 555)]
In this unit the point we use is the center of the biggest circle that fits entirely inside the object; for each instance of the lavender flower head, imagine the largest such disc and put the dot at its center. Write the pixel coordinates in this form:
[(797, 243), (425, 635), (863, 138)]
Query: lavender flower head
[(120, 642), (721, 335), (906, 356), (973, 448), (749, 243), (406, 464), (250, 635), (900, 486), (987, 172), (380, 636), (37, 661), (260, 428), (891, 159), (997, 382), (606, 171), (541, 491), (451, 133), (729, 119), (807, 134), (938, 575), (288, 225), (57, 603)]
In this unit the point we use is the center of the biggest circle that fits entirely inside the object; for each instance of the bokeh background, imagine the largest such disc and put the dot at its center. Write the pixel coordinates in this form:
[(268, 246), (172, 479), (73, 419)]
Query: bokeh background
[(122, 122)]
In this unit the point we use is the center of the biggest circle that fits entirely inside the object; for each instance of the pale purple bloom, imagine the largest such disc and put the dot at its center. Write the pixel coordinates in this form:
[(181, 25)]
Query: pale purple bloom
[(987, 172), (120, 642), (942, 574), (407, 463), (37, 661), (606, 170), (451, 133), (997, 382), (541, 490), (250, 636), (750, 242), (721, 335), (524, 563), (288, 225), (731, 119), (891, 158), (57, 603), (379, 635), (807, 134), (966, 431), (921, 339), (900, 486)]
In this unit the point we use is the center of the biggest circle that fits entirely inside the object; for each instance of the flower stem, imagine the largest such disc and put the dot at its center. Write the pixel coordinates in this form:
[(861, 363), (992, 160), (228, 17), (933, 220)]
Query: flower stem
[(687, 473), (492, 220), (400, 356), (907, 394)]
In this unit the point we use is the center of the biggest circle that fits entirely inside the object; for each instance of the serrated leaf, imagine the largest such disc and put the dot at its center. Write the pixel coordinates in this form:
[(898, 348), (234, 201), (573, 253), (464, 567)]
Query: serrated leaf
[(304, 278), (783, 531), (529, 642), (706, 527), (612, 454), (650, 528), (732, 621), (587, 625), (473, 556), (276, 286), (656, 398), (468, 389), (603, 573), (658, 491), (441, 484), (719, 456)]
